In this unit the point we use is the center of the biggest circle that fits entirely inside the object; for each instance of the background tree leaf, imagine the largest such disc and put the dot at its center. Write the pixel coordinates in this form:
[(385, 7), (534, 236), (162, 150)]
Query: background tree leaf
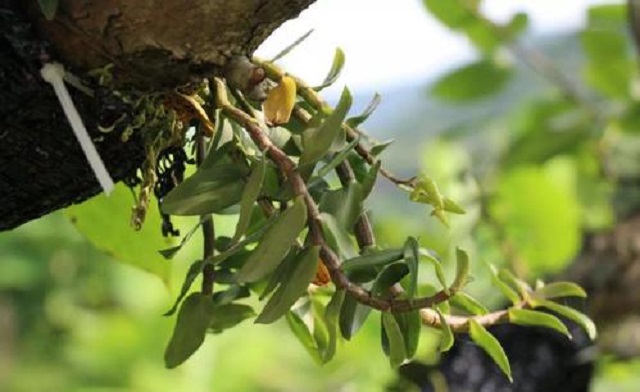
[(472, 82)]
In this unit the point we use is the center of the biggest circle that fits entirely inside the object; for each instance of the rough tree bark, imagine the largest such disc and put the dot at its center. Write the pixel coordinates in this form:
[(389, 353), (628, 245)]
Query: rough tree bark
[(153, 45)]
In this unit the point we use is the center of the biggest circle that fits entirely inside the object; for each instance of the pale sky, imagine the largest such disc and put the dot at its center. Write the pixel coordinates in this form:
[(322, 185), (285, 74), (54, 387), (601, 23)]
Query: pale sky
[(394, 41)]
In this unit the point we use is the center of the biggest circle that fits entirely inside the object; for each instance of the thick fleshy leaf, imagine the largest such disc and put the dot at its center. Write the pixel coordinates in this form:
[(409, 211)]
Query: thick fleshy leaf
[(522, 287), (345, 204), (490, 345), (380, 147), (228, 316), (580, 318), (447, 339), (335, 161), (507, 291), (356, 121), (105, 222), (390, 275), (318, 141), (411, 325), (462, 270), (208, 191), (275, 243), (373, 259), (352, 316), (337, 237), (473, 81), (301, 331), (464, 301), (320, 330), (437, 266), (194, 270), (280, 102), (249, 197), (291, 288), (331, 319), (537, 319), (190, 329), (335, 71), (369, 179), (559, 290), (393, 334), (412, 259)]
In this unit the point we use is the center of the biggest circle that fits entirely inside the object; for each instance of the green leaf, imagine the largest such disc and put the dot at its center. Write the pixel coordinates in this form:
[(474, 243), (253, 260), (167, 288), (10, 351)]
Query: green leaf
[(380, 147), (490, 345), (301, 331), (437, 267), (335, 161), (105, 222), (292, 287), (412, 258), (281, 272), (318, 141), (356, 121), (249, 197), (337, 237), (454, 13), (170, 253), (520, 285), (335, 71), (331, 316), (410, 324), (369, 179), (48, 8), (345, 204), (537, 319), (464, 301), (462, 270), (229, 295), (451, 206), (559, 290), (609, 68), (473, 81), (275, 243), (503, 287), (194, 270), (292, 46), (447, 336), (390, 275), (208, 191), (391, 330), (320, 330), (352, 316), (228, 316), (191, 326), (607, 16), (581, 319)]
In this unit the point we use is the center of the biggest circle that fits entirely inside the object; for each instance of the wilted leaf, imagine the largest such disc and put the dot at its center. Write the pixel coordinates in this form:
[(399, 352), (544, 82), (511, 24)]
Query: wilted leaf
[(490, 345), (537, 319), (280, 102), (292, 287), (191, 326), (275, 243)]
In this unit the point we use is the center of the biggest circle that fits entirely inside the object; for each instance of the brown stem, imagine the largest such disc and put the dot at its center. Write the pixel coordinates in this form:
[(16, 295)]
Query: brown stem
[(208, 230)]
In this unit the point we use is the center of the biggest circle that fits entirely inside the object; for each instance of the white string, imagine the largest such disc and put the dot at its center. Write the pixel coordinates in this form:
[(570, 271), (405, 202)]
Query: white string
[(53, 73)]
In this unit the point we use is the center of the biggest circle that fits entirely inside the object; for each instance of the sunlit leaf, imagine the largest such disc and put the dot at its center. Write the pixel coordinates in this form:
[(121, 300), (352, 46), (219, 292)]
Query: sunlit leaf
[(393, 334), (291, 288), (318, 141), (559, 290), (518, 284), (537, 319), (248, 199), (335, 71), (473, 81), (280, 101), (190, 329), (580, 318), (490, 345), (464, 301), (507, 291), (462, 270), (355, 121), (447, 339), (275, 243), (104, 221), (609, 68)]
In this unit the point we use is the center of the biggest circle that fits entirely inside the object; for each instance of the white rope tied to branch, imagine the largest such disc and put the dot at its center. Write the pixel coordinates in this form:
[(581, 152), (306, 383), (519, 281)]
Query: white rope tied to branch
[(53, 73)]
